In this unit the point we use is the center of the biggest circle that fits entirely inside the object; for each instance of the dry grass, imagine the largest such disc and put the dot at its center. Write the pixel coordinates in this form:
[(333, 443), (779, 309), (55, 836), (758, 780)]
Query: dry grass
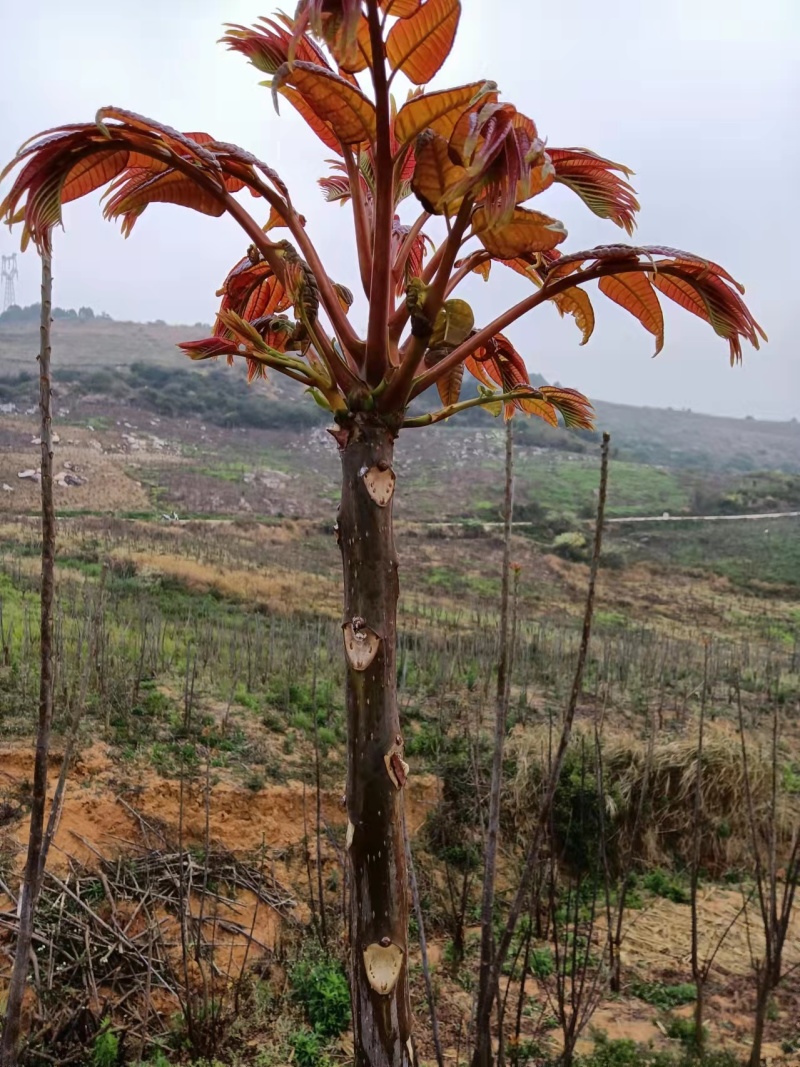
[(270, 587), (669, 777), (725, 831), (657, 938)]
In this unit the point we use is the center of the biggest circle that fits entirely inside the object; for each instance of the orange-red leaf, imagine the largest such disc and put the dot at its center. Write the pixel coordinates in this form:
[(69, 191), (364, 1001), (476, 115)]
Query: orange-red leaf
[(534, 406), (276, 220), (322, 129), (419, 44), (504, 366), (337, 103), (705, 294), (594, 180), (170, 187), (475, 366), (336, 22), (210, 348), (95, 171), (450, 385), (574, 408), (133, 153), (505, 161), (573, 302), (527, 231), (498, 362), (412, 266), (635, 293), (266, 298), (436, 176), (268, 45), (182, 144), (484, 269), (242, 279), (700, 286), (438, 111), (576, 302), (255, 370), (526, 266), (360, 55), (683, 293), (252, 291), (401, 9), (480, 132), (486, 143)]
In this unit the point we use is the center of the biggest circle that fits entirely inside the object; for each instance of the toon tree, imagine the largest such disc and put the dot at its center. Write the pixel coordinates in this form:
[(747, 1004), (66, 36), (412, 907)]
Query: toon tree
[(470, 159)]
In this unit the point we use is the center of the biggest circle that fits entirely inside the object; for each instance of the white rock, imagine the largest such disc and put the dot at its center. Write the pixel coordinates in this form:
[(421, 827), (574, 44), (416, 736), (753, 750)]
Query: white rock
[(66, 478)]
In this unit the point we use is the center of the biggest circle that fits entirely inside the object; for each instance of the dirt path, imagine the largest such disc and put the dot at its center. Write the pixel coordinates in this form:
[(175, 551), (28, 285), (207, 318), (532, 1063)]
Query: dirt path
[(665, 517)]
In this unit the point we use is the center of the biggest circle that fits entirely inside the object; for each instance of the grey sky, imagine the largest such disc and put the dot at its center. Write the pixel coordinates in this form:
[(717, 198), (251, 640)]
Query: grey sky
[(699, 97)]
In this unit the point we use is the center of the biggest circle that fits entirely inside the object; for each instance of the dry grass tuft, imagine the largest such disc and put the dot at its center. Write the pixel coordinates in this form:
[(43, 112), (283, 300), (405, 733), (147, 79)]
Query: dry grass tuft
[(274, 588), (670, 783)]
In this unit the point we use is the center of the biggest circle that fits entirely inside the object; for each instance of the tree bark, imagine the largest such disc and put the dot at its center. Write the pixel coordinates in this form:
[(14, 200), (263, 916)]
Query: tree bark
[(378, 880), (699, 971), (762, 1006), (486, 990), (699, 1016), (32, 877)]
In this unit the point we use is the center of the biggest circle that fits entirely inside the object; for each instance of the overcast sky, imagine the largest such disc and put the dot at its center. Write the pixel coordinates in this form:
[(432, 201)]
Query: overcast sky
[(700, 97)]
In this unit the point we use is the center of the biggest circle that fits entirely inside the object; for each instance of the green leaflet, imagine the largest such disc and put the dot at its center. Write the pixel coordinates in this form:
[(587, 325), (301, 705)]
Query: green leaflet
[(453, 324)]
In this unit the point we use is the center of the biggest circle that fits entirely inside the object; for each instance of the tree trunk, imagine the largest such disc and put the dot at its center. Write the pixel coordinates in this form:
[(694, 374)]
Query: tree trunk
[(762, 1006), (32, 878), (699, 1015), (378, 907), (486, 990), (614, 966)]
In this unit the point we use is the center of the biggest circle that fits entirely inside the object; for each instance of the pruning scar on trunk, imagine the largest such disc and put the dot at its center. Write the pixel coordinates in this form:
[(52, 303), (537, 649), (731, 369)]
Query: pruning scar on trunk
[(360, 643)]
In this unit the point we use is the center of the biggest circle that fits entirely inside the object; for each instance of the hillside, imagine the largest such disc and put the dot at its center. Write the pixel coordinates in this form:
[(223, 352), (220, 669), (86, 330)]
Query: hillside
[(201, 842), (688, 439), (143, 432), (646, 435)]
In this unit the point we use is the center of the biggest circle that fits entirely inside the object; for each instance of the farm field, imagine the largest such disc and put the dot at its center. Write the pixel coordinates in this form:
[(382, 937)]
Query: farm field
[(198, 636)]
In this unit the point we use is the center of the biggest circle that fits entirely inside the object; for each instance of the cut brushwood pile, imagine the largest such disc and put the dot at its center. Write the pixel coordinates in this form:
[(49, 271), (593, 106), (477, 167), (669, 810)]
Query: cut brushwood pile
[(112, 940)]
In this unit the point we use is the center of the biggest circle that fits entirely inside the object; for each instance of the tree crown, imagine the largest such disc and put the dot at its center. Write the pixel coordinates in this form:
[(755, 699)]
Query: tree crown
[(463, 154)]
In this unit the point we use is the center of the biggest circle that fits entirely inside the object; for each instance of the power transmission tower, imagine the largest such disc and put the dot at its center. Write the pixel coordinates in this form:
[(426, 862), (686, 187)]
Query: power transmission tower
[(9, 273)]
